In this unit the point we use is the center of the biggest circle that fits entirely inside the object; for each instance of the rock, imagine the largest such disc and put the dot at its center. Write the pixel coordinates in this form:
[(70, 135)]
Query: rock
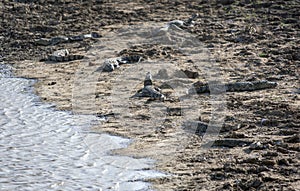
[(227, 185), (225, 2), (176, 111), (283, 161), (217, 176), (293, 139)]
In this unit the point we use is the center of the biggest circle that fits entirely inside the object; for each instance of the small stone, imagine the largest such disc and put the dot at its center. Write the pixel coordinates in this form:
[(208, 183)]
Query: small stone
[(283, 161), (227, 185), (174, 111), (256, 183), (217, 176)]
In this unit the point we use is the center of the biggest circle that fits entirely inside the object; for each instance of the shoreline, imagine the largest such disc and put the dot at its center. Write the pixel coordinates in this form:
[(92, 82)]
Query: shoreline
[(142, 166)]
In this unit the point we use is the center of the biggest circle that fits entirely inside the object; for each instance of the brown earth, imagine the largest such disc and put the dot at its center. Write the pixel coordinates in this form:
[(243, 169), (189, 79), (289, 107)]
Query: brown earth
[(249, 40)]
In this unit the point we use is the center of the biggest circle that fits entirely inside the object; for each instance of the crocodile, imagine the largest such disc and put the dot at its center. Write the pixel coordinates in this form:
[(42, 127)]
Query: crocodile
[(112, 63), (62, 55), (65, 39), (232, 87), (183, 24)]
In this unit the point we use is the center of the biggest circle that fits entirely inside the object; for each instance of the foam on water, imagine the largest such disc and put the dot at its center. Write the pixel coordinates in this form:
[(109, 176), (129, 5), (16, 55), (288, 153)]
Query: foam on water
[(42, 149)]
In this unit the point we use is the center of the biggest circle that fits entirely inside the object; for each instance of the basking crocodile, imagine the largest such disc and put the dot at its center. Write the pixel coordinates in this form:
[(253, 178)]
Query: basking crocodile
[(149, 90), (65, 39), (62, 55), (112, 63), (232, 87), (183, 24)]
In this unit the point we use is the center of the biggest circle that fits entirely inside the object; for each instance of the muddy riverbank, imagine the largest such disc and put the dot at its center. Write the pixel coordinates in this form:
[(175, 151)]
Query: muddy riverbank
[(248, 40)]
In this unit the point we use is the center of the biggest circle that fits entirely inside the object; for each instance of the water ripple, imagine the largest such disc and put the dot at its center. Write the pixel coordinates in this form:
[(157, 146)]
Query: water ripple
[(41, 149)]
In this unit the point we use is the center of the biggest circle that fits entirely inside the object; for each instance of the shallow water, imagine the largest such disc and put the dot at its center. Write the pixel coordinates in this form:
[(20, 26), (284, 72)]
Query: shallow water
[(45, 149)]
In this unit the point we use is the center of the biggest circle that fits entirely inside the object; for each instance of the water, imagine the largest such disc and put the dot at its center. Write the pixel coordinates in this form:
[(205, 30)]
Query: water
[(42, 149)]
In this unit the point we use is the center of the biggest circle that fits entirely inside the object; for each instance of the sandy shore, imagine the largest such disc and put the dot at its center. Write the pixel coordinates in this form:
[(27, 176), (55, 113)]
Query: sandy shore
[(248, 40)]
